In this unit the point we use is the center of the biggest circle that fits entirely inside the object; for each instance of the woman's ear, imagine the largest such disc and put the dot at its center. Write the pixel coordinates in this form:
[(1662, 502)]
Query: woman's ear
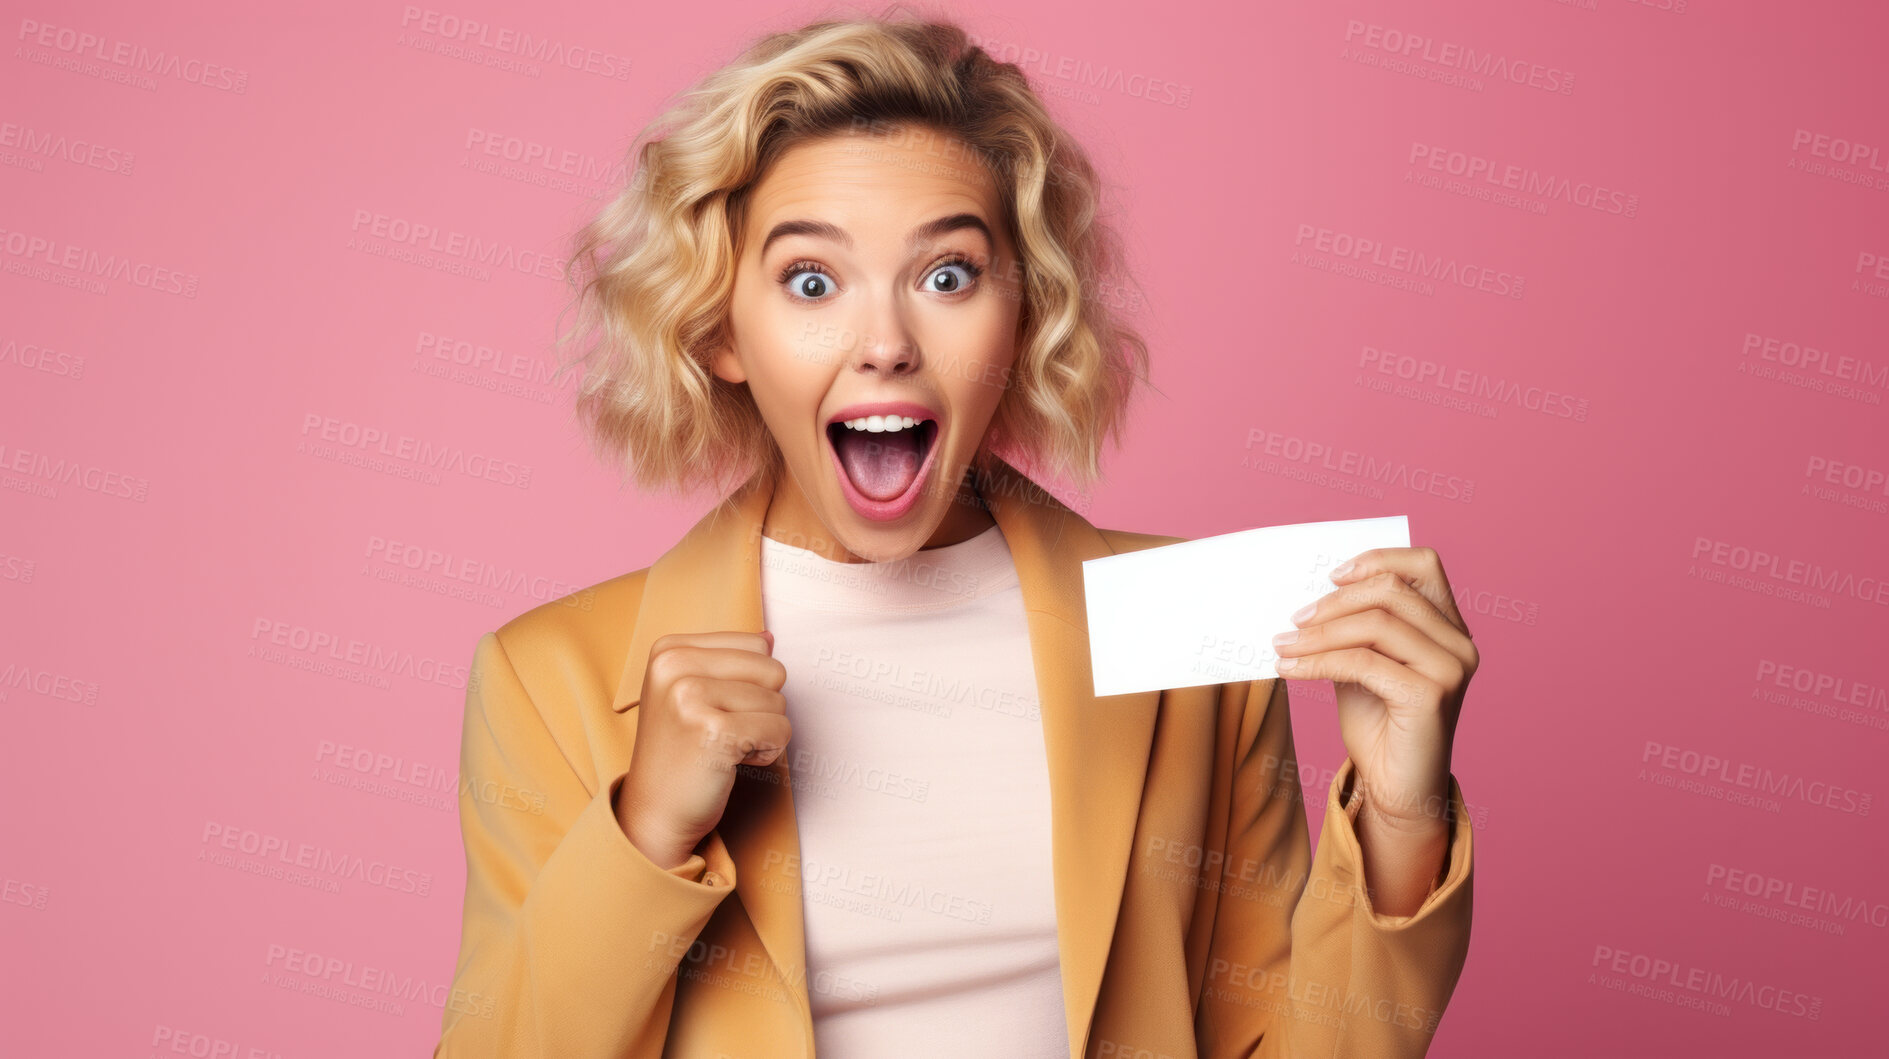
[(726, 365)]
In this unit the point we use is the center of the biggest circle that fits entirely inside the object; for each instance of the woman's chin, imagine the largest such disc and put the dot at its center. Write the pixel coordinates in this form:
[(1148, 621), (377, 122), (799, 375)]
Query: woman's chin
[(881, 542)]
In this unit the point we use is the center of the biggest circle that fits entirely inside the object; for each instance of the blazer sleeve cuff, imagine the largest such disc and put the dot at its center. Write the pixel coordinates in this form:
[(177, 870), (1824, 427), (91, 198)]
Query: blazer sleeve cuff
[(603, 917), (709, 865), (1447, 891)]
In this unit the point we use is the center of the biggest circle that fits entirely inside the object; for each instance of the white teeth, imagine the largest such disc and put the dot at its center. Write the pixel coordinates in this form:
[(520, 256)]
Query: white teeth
[(881, 424)]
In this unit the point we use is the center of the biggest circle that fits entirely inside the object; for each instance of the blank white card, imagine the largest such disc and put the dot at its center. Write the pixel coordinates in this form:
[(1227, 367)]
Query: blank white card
[(1205, 611)]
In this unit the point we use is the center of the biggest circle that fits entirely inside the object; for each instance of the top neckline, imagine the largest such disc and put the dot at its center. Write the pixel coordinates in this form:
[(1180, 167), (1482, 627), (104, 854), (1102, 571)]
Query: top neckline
[(929, 579)]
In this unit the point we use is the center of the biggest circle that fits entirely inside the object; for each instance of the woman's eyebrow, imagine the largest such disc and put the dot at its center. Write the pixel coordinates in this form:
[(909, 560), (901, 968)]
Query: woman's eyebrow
[(817, 229), (924, 233), (943, 226)]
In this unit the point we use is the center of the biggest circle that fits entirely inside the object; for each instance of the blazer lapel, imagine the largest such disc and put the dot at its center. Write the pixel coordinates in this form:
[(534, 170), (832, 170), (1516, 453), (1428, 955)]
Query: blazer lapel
[(1097, 747)]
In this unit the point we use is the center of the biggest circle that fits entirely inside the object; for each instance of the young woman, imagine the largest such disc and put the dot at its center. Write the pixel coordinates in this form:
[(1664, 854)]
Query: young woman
[(830, 773)]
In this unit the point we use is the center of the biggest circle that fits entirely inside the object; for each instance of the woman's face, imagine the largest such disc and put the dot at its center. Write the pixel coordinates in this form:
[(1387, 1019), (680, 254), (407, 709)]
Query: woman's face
[(874, 288)]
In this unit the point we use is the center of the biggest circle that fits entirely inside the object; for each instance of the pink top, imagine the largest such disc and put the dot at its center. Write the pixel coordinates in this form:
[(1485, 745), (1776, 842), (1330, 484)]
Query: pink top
[(921, 789)]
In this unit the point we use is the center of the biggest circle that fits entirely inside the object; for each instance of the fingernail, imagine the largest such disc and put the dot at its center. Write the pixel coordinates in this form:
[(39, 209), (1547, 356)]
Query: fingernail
[(1285, 663), (1341, 569), (1286, 637), (768, 636), (1304, 612)]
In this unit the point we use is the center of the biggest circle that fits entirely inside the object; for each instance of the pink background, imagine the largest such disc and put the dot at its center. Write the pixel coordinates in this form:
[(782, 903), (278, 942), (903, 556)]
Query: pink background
[(167, 514)]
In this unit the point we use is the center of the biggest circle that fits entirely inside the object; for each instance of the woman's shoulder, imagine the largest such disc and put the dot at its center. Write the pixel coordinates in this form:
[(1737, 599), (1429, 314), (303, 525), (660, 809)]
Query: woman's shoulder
[(592, 623), (1129, 541)]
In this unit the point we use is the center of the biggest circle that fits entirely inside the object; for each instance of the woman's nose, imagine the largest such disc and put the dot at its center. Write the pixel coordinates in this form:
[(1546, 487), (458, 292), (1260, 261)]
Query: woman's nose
[(887, 346)]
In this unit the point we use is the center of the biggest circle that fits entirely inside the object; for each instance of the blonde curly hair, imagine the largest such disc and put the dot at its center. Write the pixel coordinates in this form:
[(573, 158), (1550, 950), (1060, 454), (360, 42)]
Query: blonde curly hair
[(657, 272)]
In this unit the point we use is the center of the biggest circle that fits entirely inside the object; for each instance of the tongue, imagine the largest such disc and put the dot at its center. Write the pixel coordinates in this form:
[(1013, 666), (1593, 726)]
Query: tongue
[(881, 466)]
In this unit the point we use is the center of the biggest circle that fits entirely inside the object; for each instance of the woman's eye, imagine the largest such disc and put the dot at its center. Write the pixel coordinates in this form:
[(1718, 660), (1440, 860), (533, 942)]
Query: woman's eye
[(950, 279), (810, 284)]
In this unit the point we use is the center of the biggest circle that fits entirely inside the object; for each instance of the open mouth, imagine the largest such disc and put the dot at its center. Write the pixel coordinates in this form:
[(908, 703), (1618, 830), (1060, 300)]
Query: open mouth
[(882, 461)]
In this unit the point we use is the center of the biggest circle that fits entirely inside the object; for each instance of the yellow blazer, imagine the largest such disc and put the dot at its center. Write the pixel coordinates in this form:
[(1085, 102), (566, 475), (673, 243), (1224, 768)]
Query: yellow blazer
[(1191, 917)]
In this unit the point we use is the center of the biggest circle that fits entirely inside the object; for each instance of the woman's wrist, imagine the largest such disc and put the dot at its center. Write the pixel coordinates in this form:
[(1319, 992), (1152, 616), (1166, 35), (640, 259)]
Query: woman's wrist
[(1403, 859), (663, 853)]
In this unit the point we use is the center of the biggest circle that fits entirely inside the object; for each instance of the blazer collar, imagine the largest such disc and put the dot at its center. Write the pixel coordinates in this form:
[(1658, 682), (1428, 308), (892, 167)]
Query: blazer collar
[(1097, 747)]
